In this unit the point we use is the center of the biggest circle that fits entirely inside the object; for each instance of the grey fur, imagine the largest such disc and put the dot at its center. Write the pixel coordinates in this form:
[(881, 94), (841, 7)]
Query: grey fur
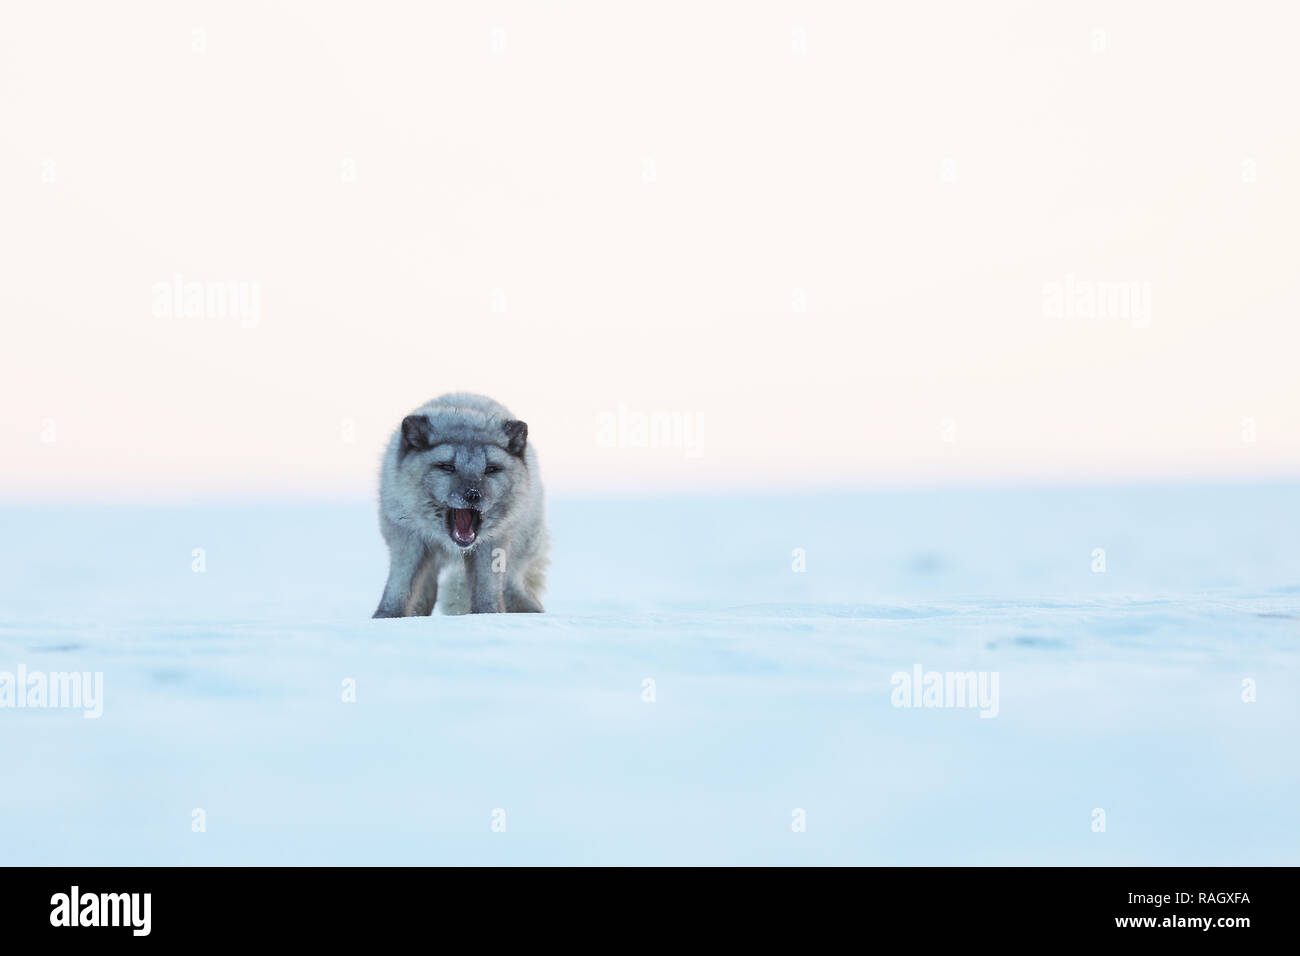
[(436, 461)]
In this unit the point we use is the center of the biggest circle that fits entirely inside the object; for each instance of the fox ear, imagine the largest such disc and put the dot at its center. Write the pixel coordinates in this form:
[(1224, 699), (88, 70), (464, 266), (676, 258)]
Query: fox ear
[(417, 433), (517, 433)]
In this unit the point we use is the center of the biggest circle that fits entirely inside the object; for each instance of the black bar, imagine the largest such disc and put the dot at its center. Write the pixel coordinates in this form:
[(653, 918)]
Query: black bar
[(338, 905)]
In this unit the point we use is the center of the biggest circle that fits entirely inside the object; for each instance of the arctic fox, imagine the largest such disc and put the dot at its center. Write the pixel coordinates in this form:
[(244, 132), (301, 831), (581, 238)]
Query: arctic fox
[(460, 495)]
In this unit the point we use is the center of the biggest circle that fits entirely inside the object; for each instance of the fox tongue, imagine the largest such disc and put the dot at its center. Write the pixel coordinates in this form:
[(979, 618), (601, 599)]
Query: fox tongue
[(463, 520)]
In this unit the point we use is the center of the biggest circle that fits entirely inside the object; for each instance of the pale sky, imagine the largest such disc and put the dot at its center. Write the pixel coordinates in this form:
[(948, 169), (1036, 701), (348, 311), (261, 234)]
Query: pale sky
[(843, 246)]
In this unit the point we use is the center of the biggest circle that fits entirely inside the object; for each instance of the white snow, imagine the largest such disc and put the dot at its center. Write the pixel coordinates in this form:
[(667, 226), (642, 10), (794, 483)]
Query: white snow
[(1120, 691)]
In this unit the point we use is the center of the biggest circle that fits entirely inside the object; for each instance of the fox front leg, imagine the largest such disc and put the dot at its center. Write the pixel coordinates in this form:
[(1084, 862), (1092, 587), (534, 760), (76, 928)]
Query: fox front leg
[(518, 599), (409, 562), (486, 583)]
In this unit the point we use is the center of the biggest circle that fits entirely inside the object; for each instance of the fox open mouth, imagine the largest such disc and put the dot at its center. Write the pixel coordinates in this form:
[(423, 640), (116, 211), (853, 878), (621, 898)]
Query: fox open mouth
[(463, 525)]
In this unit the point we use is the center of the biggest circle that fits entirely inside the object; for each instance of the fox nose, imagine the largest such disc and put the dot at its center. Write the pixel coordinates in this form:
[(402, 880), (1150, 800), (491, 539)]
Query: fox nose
[(472, 495)]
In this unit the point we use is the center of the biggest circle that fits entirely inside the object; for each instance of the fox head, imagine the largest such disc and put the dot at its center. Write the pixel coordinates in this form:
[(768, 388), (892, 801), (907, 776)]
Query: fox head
[(467, 469)]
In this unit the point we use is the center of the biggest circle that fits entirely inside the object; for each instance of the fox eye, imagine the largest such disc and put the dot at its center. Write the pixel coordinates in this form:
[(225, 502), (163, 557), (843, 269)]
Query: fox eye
[(491, 469), (445, 466)]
